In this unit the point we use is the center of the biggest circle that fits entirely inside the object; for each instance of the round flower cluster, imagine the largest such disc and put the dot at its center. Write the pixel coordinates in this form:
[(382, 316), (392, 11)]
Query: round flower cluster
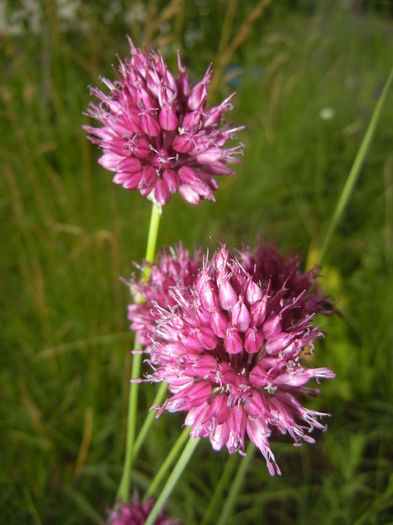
[(157, 134), (228, 335)]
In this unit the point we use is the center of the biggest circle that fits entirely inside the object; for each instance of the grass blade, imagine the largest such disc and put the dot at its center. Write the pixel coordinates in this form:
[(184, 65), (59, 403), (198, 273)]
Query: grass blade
[(168, 462), (236, 485), (356, 167), (219, 489), (173, 479), (149, 418)]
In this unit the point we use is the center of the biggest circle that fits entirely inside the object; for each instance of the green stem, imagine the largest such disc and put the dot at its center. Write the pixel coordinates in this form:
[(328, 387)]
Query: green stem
[(124, 487), (152, 238), (149, 418), (172, 480), (356, 167), (236, 485), (219, 489), (168, 461)]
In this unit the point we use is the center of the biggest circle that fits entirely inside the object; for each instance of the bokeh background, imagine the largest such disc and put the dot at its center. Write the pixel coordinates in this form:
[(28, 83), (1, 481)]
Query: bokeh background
[(307, 75)]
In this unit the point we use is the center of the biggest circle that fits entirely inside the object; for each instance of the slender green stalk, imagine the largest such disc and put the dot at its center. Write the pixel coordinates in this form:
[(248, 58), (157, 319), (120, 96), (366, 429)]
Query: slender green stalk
[(149, 419), (152, 238), (219, 489), (168, 461), (236, 485), (356, 167), (124, 487), (172, 480)]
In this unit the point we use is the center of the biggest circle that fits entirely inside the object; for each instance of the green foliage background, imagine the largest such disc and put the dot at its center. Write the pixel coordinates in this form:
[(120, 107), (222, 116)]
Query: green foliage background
[(68, 234)]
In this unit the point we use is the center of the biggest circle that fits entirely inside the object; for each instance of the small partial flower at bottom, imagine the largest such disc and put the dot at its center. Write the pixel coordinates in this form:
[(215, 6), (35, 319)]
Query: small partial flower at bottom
[(230, 336), (136, 512)]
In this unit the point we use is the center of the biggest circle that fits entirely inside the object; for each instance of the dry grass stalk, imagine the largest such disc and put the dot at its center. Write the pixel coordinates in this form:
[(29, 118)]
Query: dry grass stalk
[(155, 20), (225, 56)]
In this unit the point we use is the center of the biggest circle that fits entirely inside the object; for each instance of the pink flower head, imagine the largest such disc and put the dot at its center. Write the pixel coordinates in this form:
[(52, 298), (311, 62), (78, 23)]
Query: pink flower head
[(157, 134), (229, 337), (136, 513)]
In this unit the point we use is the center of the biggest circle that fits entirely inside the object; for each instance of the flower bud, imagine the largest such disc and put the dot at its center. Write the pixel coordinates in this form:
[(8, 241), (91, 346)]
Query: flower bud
[(207, 338), (198, 95), (254, 292), (192, 120), (147, 180), (168, 119), (233, 343), (172, 180), (240, 316), (272, 325), (208, 294), (226, 294), (219, 323), (258, 311), (150, 124), (161, 192), (253, 341), (183, 143)]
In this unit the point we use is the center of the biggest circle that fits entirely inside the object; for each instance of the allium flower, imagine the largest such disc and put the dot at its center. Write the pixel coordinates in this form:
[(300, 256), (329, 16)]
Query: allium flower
[(136, 513), (157, 135), (229, 337)]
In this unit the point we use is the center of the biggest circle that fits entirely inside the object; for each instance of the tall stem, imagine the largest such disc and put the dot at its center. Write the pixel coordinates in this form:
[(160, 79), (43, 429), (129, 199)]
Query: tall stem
[(152, 238), (124, 487), (172, 480)]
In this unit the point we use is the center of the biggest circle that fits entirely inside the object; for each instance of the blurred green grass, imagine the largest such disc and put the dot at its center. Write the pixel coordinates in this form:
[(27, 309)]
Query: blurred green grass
[(68, 234)]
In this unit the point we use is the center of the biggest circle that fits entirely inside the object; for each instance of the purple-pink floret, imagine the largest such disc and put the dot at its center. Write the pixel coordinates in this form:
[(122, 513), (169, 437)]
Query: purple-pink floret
[(228, 335), (136, 513), (157, 135)]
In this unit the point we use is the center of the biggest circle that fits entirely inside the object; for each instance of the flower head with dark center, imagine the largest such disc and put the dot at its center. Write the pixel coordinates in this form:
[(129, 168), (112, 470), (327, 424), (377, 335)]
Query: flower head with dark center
[(157, 135), (229, 335), (136, 512)]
